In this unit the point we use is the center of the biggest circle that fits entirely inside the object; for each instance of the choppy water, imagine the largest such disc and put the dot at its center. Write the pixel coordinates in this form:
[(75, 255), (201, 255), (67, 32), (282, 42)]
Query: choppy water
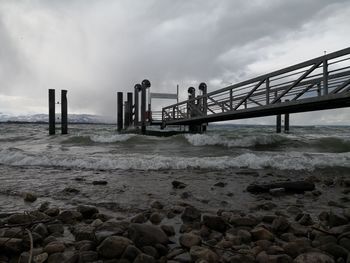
[(139, 169), (222, 147)]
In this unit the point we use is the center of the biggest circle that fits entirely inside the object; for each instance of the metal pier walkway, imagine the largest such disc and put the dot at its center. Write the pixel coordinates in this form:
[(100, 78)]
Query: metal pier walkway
[(317, 84)]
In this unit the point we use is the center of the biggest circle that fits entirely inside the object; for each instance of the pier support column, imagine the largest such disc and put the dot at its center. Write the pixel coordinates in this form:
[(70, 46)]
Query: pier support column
[(64, 112), (286, 123), (145, 85), (128, 110), (120, 111), (137, 89), (278, 123), (52, 112)]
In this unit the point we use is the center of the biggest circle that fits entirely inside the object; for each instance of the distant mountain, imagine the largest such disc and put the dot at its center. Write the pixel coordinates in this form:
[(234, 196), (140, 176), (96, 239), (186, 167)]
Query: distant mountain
[(40, 118)]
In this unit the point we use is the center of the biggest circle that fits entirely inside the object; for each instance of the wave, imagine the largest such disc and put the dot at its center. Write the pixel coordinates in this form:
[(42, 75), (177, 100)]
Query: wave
[(281, 161), (219, 140), (89, 139)]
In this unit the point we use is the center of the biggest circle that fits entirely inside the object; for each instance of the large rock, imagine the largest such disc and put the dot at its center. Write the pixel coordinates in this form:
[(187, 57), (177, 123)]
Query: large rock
[(69, 216), (215, 222), (84, 232), (147, 235), (110, 228), (191, 214), (143, 258), (201, 253), (189, 240), (335, 250), (131, 252), (19, 219), (337, 219), (13, 245), (313, 257), (41, 229), (87, 211), (178, 184), (280, 224), (260, 233), (113, 246), (54, 247)]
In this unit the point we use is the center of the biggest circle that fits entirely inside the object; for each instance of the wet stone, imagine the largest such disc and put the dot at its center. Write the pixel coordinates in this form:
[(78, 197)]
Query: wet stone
[(157, 205), (147, 235), (178, 184), (189, 240), (201, 253), (191, 214), (144, 258), (87, 211), (155, 218), (215, 222), (337, 219), (313, 257), (54, 247), (168, 229), (99, 182), (54, 211), (113, 246), (131, 252), (29, 197), (260, 233), (69, 216)]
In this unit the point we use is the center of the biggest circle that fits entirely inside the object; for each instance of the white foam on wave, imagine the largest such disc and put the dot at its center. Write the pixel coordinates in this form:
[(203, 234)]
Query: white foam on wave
[(281, 161), (111, 138), (216, 139)]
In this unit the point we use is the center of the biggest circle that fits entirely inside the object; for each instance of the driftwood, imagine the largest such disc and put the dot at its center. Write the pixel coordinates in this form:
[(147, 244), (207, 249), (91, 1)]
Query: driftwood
[(289, 187)]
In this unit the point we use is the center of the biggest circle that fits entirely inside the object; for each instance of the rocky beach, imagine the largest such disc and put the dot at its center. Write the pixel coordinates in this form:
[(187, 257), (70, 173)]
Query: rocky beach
[(275, 226)]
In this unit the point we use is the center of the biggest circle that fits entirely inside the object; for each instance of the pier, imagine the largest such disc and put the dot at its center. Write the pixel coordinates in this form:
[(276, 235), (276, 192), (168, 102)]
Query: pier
[(318, 84)]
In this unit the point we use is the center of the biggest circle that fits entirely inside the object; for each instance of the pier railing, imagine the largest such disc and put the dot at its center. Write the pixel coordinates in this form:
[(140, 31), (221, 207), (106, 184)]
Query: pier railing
[(327, 75)]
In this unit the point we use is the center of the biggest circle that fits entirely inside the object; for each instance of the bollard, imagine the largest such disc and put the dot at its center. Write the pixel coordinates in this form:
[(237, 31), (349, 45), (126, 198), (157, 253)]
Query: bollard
[(120, 111), (64, 112), (52, 112)]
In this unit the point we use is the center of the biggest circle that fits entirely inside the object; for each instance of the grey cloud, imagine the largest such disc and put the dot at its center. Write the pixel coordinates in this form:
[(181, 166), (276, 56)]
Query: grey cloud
[(95, 48)]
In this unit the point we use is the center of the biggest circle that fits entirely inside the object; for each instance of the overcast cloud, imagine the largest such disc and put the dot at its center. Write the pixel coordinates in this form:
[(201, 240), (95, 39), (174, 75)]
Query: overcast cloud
[(94, 48)]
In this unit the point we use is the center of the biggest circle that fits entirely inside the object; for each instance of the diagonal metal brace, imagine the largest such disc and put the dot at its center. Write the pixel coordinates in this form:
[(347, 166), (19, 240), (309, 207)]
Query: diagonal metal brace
[(297, 81), (303, 91), (346, 83), (249, 94), (222, 105)]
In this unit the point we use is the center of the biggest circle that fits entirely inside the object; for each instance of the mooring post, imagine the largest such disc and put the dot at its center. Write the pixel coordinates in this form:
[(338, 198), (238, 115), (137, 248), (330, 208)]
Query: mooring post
[(286, 121), (145, 85), (52, 112), (129, 106), (64, 112), (120, 111), (137, 89), (278, 123)]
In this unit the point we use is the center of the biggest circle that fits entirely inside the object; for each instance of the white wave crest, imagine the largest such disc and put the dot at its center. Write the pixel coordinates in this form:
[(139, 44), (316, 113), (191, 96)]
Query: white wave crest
[(111, 138), (215, 139), (281, 161)]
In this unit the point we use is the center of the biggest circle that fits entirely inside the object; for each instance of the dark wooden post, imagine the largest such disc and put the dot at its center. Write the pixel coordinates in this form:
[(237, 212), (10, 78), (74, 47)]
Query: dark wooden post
[(120, 110), (52, 112), (137, 89), (126, 115), (145, 85), (64, 112), (130, 106), (278, 123), (286, 122)]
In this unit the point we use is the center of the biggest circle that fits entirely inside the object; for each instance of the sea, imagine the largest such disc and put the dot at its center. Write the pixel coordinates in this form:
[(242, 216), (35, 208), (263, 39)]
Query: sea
[(123, 173)]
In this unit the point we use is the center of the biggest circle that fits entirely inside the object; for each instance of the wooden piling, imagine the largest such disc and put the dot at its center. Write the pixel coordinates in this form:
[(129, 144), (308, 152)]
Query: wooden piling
[(52, 112), (120, 111), (278, 123), (145, 85), (286, 123), (130, 105), (137, 89), (64, 112), (126, 115)]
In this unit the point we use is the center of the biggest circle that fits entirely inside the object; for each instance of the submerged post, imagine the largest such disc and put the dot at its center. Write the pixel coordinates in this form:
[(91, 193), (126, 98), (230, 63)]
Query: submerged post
[(137, 89), (52, 112), (278, 123), (120, 111), (145, 85), (286, 123), (64, 112)]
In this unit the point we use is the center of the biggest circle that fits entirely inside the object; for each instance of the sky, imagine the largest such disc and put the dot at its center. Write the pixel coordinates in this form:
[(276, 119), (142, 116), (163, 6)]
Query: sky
[(94, 48)]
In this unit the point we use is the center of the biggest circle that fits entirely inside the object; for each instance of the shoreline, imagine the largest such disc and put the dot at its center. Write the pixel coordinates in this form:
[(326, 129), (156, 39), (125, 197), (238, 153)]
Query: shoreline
[(209, 222)]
